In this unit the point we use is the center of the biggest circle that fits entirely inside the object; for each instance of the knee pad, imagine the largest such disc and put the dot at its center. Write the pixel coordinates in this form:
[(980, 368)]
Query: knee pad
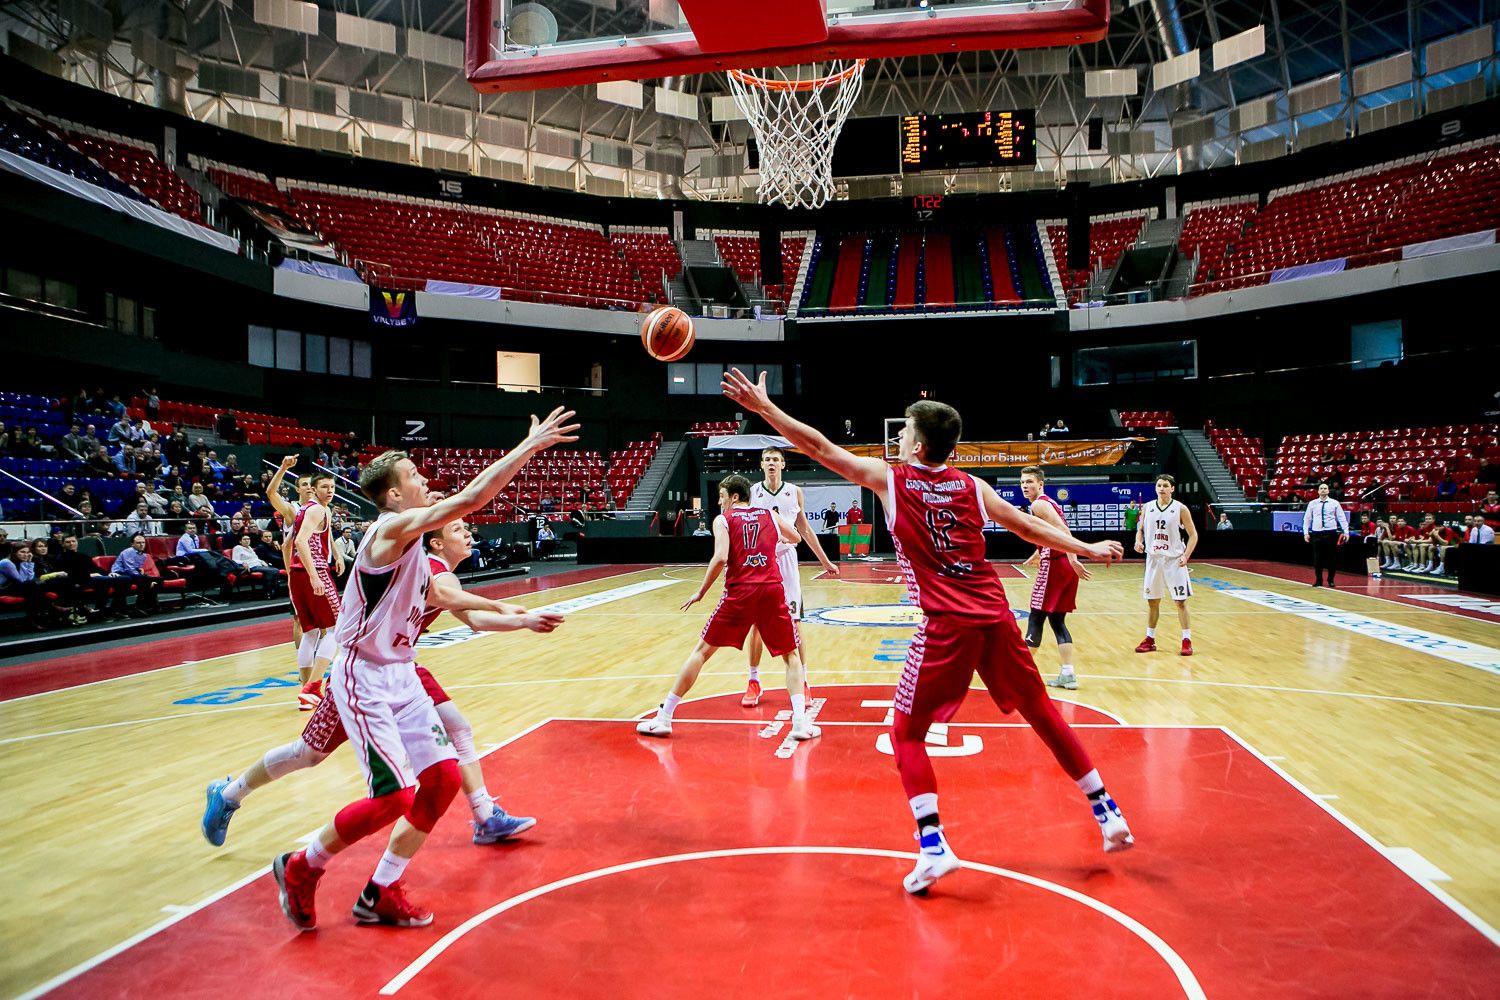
[(327, 648), (460, 734), (436, 788), (307, 649), (359, 819), (294, 756), (1059, 623)]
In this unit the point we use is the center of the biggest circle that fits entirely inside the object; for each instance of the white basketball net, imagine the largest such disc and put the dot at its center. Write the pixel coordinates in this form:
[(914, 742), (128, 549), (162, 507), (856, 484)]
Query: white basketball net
[(797, 112)]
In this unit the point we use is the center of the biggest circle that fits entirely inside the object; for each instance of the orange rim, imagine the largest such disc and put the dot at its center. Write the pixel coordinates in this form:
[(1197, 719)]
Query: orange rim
[(750, 79)]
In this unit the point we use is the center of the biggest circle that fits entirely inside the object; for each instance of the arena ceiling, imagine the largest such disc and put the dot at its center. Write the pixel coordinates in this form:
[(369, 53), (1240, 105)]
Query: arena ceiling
[(1307, 71)]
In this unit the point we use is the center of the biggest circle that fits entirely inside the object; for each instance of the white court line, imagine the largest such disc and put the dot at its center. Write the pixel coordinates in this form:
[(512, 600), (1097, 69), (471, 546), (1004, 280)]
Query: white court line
[(1185, 978), (1466, 914), (1294, 690), (1353, 593), (259, 649), (187, 911), (141, 722), (706, 697)]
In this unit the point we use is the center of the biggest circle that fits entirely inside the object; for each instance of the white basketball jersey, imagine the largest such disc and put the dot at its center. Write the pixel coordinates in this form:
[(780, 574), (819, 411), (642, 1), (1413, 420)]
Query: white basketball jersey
[(384, 606), (783, 502), (1163, 529)]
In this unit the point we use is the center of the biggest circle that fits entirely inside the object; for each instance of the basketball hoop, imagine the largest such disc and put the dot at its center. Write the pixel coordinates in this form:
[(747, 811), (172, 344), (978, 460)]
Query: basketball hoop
[(797, 113)]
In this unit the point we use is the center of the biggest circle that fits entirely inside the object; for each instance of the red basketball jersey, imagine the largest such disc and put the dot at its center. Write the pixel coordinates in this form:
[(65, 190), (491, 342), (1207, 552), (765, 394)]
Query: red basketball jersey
[(320, 544), (1046, 552), (430, 613), (752, 548), (937, 524)]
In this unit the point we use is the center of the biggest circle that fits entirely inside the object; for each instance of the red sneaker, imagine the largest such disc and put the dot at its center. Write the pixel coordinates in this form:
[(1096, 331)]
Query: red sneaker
[(298, 883), (752, 695), (389, 905), (310, 695), (1187, 647), (1148, 645)]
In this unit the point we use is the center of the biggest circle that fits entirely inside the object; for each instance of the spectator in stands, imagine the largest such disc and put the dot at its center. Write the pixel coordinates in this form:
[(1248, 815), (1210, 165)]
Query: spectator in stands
[(98, 401), (100, 465), (52, 578), (4, 439), (245, 555), (153, 403), (18, 579), (549, 505), (198, 504), (1042, 434), (831, 517), (78, 404), (346, 545), (232, 468), (139, 521), (62, 508), (198, 450), (1059, 429), (854, 515), (120, 431), (83, 522), (1224, 523), (115, 408), (154, 498), (176, 449), (124, 461), (91, 440), (82, 573), (216, 467), (72, 445), (849, 431), (174, 522), (1447, 489), (30, 445), (1335, 481), (227, 427), (148, 460), (546, 541), (131, 565), (189, 541), (269, 551)]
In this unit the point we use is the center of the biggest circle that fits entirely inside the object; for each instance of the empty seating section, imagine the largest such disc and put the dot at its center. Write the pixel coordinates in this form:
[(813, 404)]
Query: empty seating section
[(934, 270), (404, 242), (1366, 218), (1108, 240), (627, 465), (1245, 456), (137, 164), (1397, 464), (258, 428), (741, 252), (1145, 420), (1209, 230), (649, 252), (713, 428), (571, 480), (246, 185), (38, 140)]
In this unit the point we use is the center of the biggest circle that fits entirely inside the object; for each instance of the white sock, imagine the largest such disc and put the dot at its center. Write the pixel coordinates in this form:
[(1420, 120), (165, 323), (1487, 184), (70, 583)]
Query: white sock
[(1187, 633), (1150, 633), (317, 857), (669, 706), (482, 803), (235, 790), (390, 869), (923, 805), (754, 672), (1091, 782), (1067, 668), (799, 705)]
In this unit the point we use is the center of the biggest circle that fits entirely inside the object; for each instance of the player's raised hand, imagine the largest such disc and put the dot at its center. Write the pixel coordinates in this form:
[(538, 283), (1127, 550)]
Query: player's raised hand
[(543, 621), (1107, 552), (554, 430), (289, 461), (751, 395)]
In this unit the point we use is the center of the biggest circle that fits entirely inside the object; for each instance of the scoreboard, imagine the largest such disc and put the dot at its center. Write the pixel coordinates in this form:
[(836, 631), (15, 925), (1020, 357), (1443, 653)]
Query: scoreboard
[(968, 139)]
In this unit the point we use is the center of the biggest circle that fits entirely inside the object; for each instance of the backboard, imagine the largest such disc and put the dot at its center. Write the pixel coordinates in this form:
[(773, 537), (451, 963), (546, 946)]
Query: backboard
[(540, 44)]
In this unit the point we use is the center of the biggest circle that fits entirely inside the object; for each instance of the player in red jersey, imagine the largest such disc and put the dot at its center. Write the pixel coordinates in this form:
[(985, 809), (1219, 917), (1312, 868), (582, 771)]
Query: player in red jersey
[(745, 540), (311, 585), (286, 513), (1054, 592), (936, 516), (324, 733)]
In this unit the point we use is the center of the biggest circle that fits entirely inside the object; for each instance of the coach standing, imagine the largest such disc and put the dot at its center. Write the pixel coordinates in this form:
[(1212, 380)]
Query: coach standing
[(1324, 524)]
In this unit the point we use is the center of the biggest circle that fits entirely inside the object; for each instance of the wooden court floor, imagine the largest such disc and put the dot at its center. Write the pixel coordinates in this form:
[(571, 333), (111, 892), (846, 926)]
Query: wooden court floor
[(1387, 710)]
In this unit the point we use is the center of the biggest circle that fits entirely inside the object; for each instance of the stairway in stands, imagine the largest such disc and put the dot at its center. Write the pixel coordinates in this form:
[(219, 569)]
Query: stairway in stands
[(644, 497), (1222, 486)]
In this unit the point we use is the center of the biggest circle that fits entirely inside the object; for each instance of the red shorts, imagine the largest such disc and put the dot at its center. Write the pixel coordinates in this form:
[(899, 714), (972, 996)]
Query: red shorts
[(1055, 587), (313, 611), (761, 606), (324, 732), (946, 653)]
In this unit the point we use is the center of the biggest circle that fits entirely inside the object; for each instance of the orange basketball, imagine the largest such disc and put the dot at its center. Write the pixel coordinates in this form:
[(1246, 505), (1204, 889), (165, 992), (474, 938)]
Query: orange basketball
[(667, 334)]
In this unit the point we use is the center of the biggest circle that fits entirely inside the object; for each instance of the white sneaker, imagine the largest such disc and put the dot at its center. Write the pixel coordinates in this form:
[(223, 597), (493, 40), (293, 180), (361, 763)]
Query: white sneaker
[(1068, 681), (658, 725), (1112, 825), (935, 860), (803, 729)]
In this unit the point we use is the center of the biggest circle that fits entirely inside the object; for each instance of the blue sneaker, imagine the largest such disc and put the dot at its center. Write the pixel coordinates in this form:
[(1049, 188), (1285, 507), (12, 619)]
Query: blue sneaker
[(216, 814), (501, 826)]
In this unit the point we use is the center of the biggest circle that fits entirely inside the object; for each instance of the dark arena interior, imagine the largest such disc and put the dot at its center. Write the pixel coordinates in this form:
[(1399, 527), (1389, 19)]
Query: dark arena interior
[(1209, 284)]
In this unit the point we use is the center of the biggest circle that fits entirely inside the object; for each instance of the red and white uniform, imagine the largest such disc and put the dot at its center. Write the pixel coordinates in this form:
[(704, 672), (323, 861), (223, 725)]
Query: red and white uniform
[(1055, 588), (936, 518), (325, 733), (313, 611), (388, 715), (753, 594)]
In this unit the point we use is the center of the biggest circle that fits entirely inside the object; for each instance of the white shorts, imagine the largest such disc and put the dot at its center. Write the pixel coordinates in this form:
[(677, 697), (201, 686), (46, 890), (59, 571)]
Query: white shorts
[(391, 722), (791, 580), (1164, 578)]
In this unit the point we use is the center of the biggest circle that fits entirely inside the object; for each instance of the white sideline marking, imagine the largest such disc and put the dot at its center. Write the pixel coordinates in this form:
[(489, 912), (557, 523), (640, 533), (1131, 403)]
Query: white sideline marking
[(1185, 978)]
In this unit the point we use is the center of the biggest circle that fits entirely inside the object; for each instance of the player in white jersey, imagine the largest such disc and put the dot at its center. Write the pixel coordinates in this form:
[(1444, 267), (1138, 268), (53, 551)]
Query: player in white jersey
[(785, 499), (410, 766), (1159, 535)]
